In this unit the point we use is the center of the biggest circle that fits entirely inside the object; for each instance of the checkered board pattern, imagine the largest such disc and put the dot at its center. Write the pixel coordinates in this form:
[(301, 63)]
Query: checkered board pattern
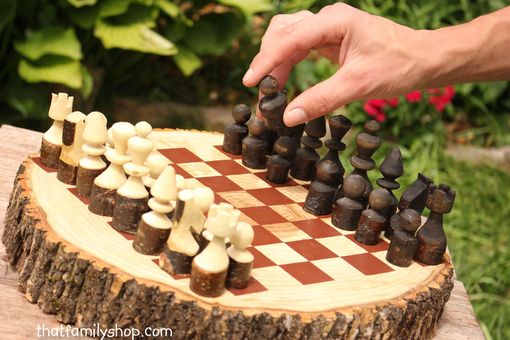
[(289, 244)]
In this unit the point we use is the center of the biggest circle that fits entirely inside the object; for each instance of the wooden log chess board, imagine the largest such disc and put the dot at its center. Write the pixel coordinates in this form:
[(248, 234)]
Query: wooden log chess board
[(304, 269)]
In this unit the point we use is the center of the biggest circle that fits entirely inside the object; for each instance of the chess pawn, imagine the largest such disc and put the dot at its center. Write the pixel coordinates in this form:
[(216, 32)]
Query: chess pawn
[(154, 227), (72, 142), (272, 104), (143, 129), (156, 163), (235, 133), (92, 165), (102, 194), (254, 146), (209, 268), (131, 198), (304, 164), (51, 144), (403, 243), (241, 260), (270, 137), (391, 168), (203, 199), (372, 221), (347, 210), (415, 195), (319, 200), (431, 237), (278, 166)]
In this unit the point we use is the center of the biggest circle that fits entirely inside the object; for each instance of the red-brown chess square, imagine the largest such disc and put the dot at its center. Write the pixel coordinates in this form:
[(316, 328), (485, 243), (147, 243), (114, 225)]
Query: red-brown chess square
[(180, 155), (181, 171), (270, 196), (219, 183), (317, 228), (263, 236), (228, 167), (368, 264), (260, 260), (218, 199), (74, 191), (380, 246), (262, 175), (220, 147), (253, 287), (306, 272), (263, 215), (311, 249), (37, 160)]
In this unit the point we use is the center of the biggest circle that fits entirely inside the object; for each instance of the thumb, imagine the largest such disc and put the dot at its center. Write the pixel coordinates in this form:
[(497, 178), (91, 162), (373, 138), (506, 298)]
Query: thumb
[(321, 99)]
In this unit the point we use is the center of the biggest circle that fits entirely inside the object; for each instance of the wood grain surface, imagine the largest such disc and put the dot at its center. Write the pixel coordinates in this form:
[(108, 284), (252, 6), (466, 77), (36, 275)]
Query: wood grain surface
[(458, 319)]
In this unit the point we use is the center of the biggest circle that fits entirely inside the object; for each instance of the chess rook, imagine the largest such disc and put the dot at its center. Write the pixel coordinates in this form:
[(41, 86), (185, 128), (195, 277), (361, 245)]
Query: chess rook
[(102, 194), (431, 237), (304, 164), (391, 168), (347, 210), (272, 104), (319, 200), (51, 144), (235, 133), (72, 142), (92, 165), (131, 198), (372, 221), (241, 260), (154, 227), (403, 242), (156, 163), (209, 268), (415, 195), (254, 146), (278, 166)]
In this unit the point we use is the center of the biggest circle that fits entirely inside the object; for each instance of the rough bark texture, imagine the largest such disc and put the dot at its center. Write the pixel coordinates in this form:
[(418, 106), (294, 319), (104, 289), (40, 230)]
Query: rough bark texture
[(79, 291)]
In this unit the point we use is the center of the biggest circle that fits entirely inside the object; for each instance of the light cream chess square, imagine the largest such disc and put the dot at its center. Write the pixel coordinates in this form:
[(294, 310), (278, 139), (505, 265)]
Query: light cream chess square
[(297, 193), (240, 162), (275, 278), (281, 253), (339, 269), (287, 232), (199, 169), (341, 245), (244, 218), (208, 153), (292, 212), (240, 199), (248, 181)]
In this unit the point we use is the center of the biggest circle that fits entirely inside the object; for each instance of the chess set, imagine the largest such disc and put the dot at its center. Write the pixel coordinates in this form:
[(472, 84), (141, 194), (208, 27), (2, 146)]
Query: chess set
[(246, 234)]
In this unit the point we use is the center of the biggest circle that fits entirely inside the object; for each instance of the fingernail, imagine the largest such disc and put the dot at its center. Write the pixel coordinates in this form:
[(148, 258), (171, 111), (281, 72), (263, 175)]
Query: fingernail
[(248, 75), (295, 116)]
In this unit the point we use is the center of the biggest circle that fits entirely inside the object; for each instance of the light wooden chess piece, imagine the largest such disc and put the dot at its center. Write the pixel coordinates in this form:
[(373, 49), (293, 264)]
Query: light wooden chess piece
[(204, 198), (51, 145), (154, 227), (181, 246), (102, 194), (92, 165), (156, 163), (209, 268), (241, 260), (72, 142), (131, 198), (143, 129)]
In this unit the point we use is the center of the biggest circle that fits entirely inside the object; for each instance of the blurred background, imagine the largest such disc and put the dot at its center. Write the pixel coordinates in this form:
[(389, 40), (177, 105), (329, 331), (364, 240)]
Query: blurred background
[(180, 64)]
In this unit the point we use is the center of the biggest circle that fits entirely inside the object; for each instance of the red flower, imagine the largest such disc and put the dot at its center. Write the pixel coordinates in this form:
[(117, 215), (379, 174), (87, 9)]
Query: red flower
[(393, 102), (439, 98), (413, 97), (374, 108)]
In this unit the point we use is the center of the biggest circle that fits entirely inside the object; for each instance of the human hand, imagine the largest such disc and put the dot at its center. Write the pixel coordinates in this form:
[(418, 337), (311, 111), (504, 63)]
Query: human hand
[(377, 57)]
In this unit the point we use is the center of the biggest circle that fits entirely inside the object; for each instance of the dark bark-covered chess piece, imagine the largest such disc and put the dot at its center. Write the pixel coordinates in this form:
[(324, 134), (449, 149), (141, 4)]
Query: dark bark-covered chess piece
[(254, 146), (273, 104), (339, 125), (403, 244), (270, 137), (304, 164), (235, 133), (241, 260), (431, 237), (415, 195), (391, 168), (347, 210), (372, 221), (278, 166), (319, 200)]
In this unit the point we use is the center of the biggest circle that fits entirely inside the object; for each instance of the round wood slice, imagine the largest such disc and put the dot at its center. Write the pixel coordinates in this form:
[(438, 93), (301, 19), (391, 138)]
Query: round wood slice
[(309, 279)]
